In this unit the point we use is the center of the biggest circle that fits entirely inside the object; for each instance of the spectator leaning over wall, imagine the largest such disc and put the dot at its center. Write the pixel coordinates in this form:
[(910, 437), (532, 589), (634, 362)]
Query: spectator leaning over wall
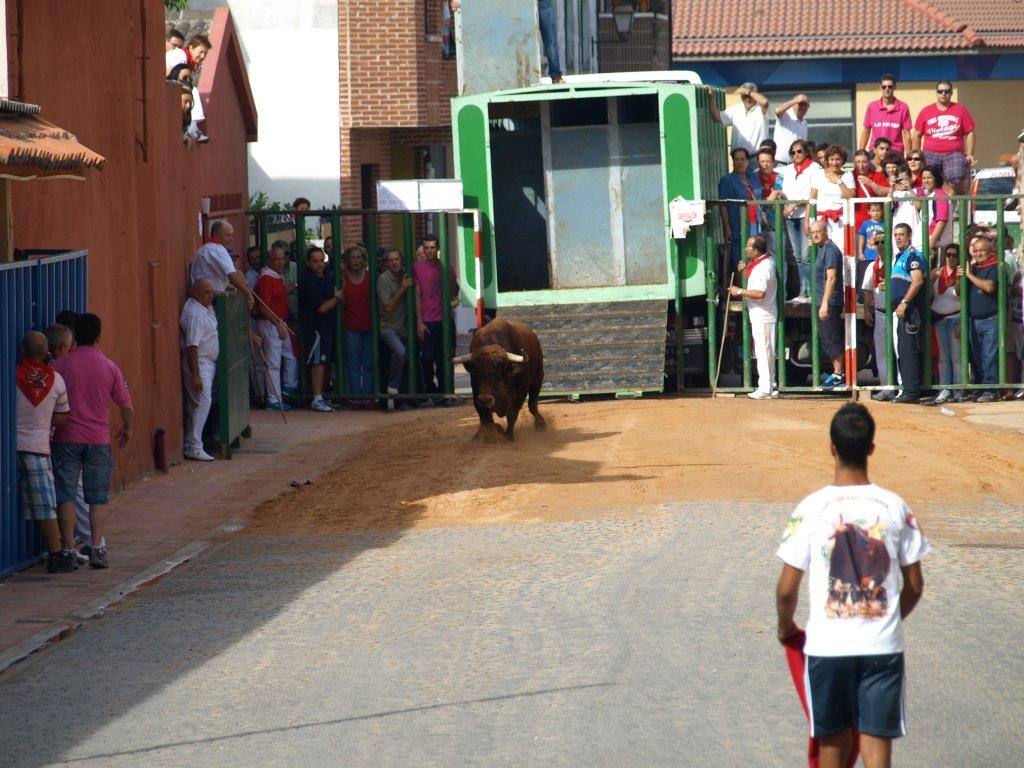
[(887, 117), (982, 273), (42, 399), (192, 55), (945, 131), (797, 180), (739, 184), (790, 125), (749, 127), (200, 348), (81, 448)]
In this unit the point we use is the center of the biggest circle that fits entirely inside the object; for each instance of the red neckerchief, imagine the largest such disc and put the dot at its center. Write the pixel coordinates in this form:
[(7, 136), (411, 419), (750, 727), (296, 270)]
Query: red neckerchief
[(35, 380), (801, 167), (767, 183), (754, 263), (751, 209), (878, 272), (916, 180), (985, 265), (946, 281), (833, 216), (191, 61)]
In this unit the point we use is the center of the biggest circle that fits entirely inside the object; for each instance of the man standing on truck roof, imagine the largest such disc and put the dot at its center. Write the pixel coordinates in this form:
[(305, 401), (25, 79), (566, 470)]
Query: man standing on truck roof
[(762, 309)]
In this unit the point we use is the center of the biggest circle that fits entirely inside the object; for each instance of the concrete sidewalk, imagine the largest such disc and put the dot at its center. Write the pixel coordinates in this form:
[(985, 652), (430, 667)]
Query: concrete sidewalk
[(161, 521)]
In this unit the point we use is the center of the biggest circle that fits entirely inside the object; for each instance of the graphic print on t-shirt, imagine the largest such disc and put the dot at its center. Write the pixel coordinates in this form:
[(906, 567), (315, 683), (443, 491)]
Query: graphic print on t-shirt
[(859, 565)]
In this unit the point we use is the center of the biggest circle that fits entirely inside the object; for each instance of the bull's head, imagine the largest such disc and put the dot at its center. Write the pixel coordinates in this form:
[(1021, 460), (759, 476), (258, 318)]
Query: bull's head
[(497, 375)]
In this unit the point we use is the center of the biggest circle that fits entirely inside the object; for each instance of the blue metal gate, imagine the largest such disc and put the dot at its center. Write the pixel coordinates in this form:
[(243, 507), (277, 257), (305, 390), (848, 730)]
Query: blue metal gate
[(31, 294)]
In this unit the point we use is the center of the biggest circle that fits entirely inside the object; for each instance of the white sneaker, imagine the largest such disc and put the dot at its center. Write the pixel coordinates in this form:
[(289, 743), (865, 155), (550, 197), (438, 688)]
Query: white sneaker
[(759, 394), (776, 394), (199, 455), (392, 390), (318, 404)]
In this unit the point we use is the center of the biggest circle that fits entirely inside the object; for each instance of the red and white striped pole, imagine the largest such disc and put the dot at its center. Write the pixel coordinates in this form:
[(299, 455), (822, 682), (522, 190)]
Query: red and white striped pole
[(478, 259), (850, 294)]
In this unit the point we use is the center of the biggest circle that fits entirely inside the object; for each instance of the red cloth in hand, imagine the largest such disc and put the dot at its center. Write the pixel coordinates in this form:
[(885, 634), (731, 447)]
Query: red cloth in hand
[(794, 645)]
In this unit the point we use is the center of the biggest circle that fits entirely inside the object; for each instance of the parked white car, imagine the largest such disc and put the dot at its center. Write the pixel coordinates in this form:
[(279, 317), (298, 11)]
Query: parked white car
[(994, 181)]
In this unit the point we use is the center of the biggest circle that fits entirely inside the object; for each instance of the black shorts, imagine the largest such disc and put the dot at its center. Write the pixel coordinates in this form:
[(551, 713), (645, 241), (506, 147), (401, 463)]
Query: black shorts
[(318, 346), (862, 692), (831, 335)]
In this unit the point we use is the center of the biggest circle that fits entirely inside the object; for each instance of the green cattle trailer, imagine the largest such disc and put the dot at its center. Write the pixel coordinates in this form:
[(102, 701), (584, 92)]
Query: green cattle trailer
[(573, 183)]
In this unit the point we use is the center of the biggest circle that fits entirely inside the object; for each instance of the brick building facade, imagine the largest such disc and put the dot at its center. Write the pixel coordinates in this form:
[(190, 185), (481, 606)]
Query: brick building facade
[(394, 91)]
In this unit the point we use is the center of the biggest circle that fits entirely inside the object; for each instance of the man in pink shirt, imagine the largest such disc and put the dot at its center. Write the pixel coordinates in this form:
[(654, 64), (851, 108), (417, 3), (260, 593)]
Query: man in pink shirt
[(887, 117), (430, 311), (945, 131), (81, 448), (42, 400)]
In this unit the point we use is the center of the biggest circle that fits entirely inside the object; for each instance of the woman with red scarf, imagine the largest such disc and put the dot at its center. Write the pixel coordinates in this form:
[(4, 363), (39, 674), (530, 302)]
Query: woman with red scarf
[(797, 179), (946, 321)]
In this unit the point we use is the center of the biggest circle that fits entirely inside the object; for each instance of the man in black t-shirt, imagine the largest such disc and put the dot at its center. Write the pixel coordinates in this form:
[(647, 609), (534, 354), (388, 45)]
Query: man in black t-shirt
[(318, 321), (828, 271)]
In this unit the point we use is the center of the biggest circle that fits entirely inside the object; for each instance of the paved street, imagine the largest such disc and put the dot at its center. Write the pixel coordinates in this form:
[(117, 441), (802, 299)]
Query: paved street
[(627, 640)]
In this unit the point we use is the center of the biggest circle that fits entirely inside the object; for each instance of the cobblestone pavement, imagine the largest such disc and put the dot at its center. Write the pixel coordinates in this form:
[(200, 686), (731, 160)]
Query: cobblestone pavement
[(639, 639)]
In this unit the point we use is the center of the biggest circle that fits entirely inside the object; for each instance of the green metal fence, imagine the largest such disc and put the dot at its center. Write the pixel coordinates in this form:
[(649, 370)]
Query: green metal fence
[(232, 371), (404, 239), (790, 316)]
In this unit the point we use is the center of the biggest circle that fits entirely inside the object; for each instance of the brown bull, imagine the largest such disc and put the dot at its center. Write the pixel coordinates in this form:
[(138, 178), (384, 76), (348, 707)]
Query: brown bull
[(506, 366)]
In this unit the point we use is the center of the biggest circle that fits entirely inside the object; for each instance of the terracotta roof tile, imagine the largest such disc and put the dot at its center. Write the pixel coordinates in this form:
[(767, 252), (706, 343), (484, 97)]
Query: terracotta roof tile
[(760, 28), (31, 147)]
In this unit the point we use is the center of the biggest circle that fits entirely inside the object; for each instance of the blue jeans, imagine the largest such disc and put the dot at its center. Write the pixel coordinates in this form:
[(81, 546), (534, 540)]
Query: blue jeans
[(549, 36), (985, 348), (359, 361), (94, 464), (947, 331), (396, 347), (797, 239)]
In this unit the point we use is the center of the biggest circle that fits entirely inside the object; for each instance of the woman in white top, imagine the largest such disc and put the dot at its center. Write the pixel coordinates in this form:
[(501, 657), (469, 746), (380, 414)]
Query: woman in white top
[(946, 319), (830, 189), (797, 180)]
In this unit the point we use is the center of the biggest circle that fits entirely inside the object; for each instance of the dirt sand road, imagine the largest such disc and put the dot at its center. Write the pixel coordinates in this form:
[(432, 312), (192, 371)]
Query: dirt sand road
[(599, 458)]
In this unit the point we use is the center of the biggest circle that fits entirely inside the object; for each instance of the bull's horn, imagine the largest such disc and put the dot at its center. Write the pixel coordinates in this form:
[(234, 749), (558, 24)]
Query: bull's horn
[(461, 359), (515, 358)]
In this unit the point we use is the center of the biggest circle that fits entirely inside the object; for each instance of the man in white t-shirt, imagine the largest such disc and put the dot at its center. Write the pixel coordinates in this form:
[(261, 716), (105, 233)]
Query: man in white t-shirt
[(790, 125), (762, 309), (42, 401), (749, 127), (214, 263), (853, 539)]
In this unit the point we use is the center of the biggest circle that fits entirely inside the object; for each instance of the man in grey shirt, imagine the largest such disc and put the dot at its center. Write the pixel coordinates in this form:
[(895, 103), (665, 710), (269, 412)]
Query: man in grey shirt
[(391, 289)]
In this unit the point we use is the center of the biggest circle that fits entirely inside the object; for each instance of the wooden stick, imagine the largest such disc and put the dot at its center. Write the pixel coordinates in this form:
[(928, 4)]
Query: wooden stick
[(725, 328), (270, 379), (273, 315)]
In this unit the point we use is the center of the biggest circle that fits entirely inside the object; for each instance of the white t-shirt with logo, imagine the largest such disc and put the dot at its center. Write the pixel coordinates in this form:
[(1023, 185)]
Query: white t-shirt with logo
[(851, 541), (762, 278)]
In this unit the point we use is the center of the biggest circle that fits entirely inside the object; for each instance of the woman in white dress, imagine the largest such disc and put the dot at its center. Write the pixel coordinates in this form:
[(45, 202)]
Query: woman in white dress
[(829, 190)]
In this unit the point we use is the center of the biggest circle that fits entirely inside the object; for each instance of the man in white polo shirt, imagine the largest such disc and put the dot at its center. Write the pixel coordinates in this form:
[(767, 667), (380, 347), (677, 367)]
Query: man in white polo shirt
[(213, 262), (762, 310), (749, 127), (199, 350), (854, 540)]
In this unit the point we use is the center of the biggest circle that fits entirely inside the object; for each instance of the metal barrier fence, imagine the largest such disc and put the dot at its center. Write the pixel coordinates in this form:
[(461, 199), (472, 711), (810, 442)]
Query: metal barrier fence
[(790, 315), (407, 245), (31, 294), (232, 371)]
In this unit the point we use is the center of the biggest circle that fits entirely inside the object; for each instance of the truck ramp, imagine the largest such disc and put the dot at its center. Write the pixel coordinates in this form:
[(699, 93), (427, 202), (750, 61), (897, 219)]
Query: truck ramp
[(607, 348)]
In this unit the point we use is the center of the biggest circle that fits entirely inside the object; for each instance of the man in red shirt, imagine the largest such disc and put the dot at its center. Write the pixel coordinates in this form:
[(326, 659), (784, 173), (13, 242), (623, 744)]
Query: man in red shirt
[(888, 117), (945, 131), (273, 309)]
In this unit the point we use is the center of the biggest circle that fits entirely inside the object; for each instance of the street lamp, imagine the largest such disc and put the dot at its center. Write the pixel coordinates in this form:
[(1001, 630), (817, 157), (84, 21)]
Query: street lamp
[(623, 13)]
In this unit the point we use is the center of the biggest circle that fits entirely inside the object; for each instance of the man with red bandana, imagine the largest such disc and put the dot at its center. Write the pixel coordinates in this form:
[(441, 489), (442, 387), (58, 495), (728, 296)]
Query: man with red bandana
[(762, 309)]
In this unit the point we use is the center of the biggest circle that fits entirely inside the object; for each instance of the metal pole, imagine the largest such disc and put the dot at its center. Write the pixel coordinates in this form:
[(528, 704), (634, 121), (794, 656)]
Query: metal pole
[(372, 267), (744, 317), (339, 329), (926, 321), (965, 318), (890, 353), (412, 358), (447, 332), (780, 292), (1000, 239), (815, 344), (711, 293), (478, 258)]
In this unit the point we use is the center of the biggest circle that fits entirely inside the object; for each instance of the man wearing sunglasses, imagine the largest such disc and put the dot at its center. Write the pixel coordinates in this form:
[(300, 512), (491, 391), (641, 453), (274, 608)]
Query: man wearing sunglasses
[(887, 117), (945, 131)]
